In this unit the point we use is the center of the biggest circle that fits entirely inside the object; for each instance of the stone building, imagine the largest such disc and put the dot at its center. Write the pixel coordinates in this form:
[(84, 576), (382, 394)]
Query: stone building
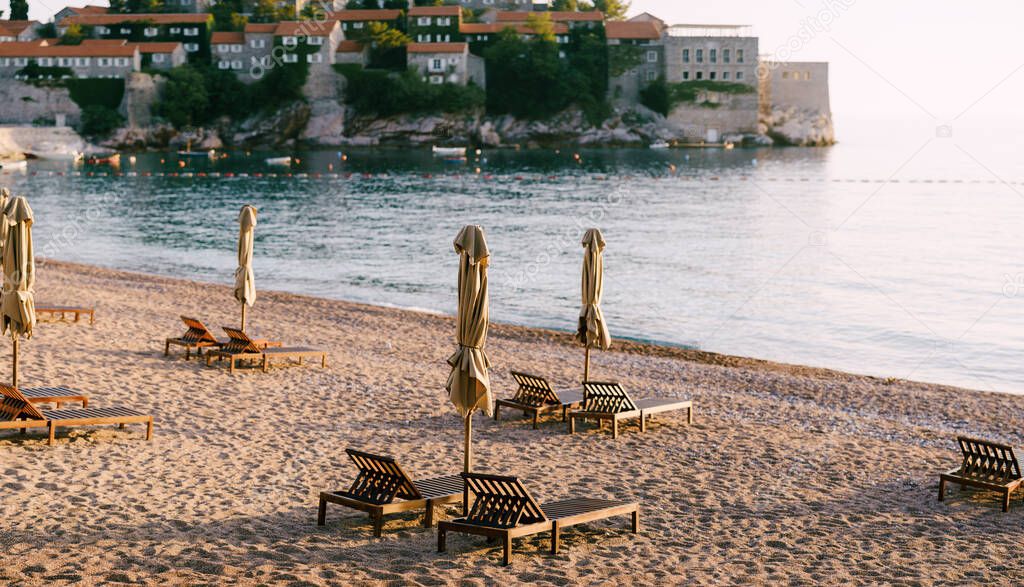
[(795, 102), (73, 10), (95, 59), (314, 41), (481, 35), (162, 55), (725, 53), (354, 21), (636, 56), (18, 30), (352, 52), (590, 19), (451, 63), (191, 30), (434, 24)]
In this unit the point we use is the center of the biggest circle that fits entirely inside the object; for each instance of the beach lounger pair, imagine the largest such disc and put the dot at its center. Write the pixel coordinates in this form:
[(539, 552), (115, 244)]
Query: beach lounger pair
[(502, 507), (61, 313), (240, 347), (19, 412), (986, 465), (199, 337), (600, 401)]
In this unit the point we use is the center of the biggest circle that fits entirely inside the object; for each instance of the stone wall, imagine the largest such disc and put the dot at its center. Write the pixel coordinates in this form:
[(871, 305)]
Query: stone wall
[(717, 114), (22, 103)]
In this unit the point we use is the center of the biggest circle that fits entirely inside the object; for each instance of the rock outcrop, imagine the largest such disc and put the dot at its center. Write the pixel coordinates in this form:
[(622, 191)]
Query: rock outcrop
[(799, 127), (24, 103)]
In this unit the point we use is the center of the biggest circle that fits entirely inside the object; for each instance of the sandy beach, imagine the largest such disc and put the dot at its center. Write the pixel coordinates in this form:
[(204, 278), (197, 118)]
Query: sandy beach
[(789, 474)]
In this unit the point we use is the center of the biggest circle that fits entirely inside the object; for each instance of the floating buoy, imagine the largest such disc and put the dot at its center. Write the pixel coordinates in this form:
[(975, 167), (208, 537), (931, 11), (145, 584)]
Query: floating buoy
[(131, 159), (181, 164)]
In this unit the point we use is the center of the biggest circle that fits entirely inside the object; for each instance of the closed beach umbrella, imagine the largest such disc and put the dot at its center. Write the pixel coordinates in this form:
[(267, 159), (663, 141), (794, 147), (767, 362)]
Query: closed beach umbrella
[(469, 386), (592, 331), (245, 280), (17, 305), (5, 196)]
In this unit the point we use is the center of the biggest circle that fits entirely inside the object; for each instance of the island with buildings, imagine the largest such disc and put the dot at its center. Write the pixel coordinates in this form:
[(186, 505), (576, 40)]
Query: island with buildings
[(245, 74)]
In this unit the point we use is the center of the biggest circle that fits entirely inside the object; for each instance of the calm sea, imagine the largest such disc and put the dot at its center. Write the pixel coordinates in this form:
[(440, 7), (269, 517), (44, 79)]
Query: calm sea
[(899, 259)]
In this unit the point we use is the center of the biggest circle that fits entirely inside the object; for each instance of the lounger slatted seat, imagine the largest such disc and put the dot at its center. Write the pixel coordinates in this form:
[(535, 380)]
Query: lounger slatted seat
[(197, 337), (54, 395), (61, 313), (240, 347), (986, 465), (535, 397), (16, 412), (504, 509), (381, 481), (608, 401)]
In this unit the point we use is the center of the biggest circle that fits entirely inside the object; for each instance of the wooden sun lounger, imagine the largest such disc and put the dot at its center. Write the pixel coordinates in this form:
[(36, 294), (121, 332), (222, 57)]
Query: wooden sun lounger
[(535, 397), (60, 313), (242, 348), (54, 395), (381, 481), (16, 412), (986, 465), (504, 509), (608, 401), (199, 337)]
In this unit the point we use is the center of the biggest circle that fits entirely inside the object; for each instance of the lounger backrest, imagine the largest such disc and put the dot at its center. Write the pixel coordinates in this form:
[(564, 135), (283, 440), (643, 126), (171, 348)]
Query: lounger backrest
[(15, 404), (197, 331), (606, 397), (501, 502), (988, 461), (380, 479), (533, 390), (239, 342)]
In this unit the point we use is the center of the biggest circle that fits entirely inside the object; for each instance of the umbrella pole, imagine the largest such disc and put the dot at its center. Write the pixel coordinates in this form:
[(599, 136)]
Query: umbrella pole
[(586, 365), (243, 316), (14, 383), (468, 464)]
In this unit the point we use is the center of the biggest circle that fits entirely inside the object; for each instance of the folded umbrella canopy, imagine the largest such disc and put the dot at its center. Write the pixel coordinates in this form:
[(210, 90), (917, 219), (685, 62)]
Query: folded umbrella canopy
[(17, 304), (245, 279), (469, 386), (592, 331)]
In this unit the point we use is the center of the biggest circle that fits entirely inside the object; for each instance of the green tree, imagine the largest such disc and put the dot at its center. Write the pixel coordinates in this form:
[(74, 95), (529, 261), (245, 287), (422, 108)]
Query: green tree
[(135, 6), (656, 97), (99, 121), (541, 25), (527, 78), (227, 16), (72, 36), (613, 9), (565, 5), (19, 9), (184, 100)]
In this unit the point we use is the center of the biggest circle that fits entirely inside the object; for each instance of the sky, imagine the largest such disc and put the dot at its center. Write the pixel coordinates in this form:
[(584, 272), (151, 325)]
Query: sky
[(909, 61)]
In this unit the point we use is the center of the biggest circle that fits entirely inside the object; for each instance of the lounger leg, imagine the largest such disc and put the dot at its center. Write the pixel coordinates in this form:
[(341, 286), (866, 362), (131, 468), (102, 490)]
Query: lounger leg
[(321, 513), (496, 408), (1006, 501), (442, 539), (167, 348), (572, 425), (231, 368), (536, 415), (428, 516), (378, 523), (209, 358), (636, 521), (323, 361), (507, 548), (120, 426), (643, 423), (565, 412), (555, 531), (85, 402), (149, 429), (266, 363), (689, 415), (615, 428), (52, 430), (58, 405), (942, 489)]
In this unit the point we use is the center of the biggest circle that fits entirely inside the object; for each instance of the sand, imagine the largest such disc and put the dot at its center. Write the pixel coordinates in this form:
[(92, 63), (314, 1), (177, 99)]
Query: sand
[(789, 474)]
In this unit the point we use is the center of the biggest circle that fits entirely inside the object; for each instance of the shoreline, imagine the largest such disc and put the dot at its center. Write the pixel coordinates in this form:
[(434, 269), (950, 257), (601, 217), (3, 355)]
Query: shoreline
[(787, 475)]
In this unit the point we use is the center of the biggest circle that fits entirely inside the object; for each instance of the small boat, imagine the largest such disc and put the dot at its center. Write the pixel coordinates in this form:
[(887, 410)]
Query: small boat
[(659, 145), (278, 161), (449, 151), (188, 152), (57, 155), (112, 160), (13, 165)]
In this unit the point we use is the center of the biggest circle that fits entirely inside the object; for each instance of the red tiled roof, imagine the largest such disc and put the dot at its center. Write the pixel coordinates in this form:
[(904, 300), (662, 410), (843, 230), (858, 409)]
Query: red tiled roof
[(16, 27), (632, 30), (350, 47), (436, 48), (34, 49), (155, 18), (556, 16), (100, 42), (483, 28), (261, 27), (364, 15), (88, 9), (435, 11), (157, 47), (227, 38), (308, 28)]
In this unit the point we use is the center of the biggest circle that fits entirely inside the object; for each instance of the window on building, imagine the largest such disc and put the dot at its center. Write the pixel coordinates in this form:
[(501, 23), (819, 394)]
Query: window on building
[(700, 55), (222, 48), (651, 76), (725, 55), (445, 21), (315, 40), (437, 79), (175, 30), (191, 47), (102, 30), (121, 62), (314, 58), (713, 75), (191, 32), (436, 65), (739, 55), (357, 25), (105, 61), (422, 38), (151, 31), (291, 58), (785, 75), (236, 48), (686, 75), (63, 61), (725, 75), (686, 55), (289, 41), (700, 75), (423, 21), (739, 75), (126, 31), (236, 64), (713, 55), (447, 38), (258, 43), (807, 76), (224, 64), (652, 57), (159, 57)]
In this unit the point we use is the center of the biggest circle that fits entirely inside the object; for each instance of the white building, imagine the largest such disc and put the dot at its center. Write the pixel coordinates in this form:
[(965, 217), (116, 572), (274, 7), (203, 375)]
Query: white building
[(450, 63)]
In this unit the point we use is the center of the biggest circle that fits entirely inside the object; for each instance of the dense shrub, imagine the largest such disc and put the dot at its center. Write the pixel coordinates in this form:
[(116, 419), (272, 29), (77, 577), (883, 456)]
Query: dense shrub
[(656, 97), (96, 92), (384, 94), (99, 121)]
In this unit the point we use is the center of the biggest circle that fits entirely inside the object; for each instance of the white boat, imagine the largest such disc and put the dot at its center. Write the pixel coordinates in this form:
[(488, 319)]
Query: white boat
[(449, 151), (278, 161), (659, 145), (13, 165), (56, 154)]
